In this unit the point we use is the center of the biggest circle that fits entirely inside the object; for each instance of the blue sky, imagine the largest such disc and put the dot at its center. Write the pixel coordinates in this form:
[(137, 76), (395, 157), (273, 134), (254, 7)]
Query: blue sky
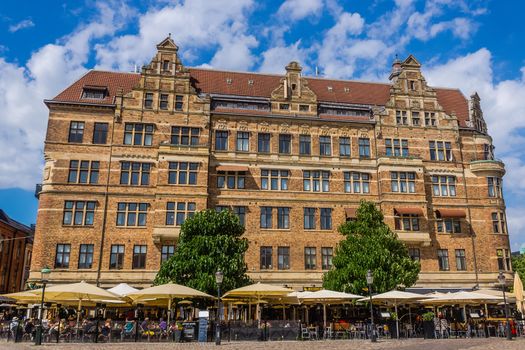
[(474, 45)]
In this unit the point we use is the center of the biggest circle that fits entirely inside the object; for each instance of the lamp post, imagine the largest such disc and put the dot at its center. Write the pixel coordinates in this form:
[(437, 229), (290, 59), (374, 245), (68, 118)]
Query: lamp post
[(369, 281), (501, 280), (38, 335), (218, 279)]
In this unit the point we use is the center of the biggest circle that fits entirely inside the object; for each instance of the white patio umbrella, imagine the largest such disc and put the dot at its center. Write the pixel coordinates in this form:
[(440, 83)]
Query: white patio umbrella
[(395, 298), (325, 296), (122, 289)]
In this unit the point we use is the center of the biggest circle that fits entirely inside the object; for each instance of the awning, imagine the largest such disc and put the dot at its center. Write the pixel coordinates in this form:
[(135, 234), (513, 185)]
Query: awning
[(409, 211), (451, 213), (231, 168), (351, 213)]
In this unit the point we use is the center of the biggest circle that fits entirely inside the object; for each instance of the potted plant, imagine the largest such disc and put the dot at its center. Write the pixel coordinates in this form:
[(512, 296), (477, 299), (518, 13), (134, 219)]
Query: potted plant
[(428, 325)]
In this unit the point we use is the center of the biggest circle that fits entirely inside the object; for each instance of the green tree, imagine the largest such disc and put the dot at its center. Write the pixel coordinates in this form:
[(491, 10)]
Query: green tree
[(518, 265), (209, 241), (370, 244)]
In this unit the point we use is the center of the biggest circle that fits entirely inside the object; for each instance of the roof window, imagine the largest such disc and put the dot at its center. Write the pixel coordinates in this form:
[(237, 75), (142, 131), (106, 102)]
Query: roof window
[(94, 92)]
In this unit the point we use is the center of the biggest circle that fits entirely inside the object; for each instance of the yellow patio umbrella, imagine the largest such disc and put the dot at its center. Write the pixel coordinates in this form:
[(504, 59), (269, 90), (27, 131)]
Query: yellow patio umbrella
[(518, 293), (27, 296), (167, 291), (258, 291), (80, 291)]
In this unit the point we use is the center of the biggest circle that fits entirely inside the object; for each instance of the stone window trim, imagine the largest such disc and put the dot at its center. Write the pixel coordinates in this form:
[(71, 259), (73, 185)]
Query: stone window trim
[(327, 254), (184, 136), (178, 212), (326, 218), (164, 101), (443, 262), (309, 218), (310, 258), (221, 140), (116, 257), (494, 185), (83, 172), (316, 180), (285, 143), (139, 257), (138, 134), (266, 258), (449, 225), (100, 133), (231, 179), (499, 222), (76, 132), (179, 102), (461, 260), (403, 182), (130, 214), (443, 185), (344, 147), (356, 182), (166, 252), (305, 145), (430, 119), (396, 147), (283, 258), (266, 217), (407, 222), (364, 147), (243, 141), (275, 179), (503, 259), (85, 256), (62, 255), (148, 100), (414, 253), (182, 173), (263, 142), (440, 151), (135, 173), (79, 213), (401, 117)]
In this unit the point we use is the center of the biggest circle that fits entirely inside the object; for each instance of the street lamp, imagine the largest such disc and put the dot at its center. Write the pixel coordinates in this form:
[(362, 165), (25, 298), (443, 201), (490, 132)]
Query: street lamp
[(501, 280), (38, 335), (369, 281), (219, 276)]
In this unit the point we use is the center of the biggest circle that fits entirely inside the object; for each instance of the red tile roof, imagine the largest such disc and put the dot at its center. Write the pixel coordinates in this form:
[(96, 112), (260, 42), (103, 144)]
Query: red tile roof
[(261, 85)]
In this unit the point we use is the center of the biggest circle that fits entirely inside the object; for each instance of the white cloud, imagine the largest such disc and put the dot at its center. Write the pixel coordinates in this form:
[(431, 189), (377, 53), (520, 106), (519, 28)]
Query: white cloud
[(276, 58), (299, 9), (26, 23), (197, 25)]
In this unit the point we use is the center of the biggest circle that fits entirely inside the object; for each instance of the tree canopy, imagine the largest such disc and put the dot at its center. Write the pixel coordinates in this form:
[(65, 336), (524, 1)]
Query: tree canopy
[(208, 242), (370, 244), (518, 265)]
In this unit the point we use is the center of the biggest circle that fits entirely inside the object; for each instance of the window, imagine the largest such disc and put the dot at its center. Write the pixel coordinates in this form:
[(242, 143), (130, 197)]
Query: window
[(494, 185), (220, 208), (283, 218), (100, 133), (94, 93), (499, 224), (76, 132), (163, 103), (430, 119), (443, 260), (78, 213), (85, 256), (316, 181), (364, 148), (325, 145), (165, 65), (275, 180), (309, 218), (266, 217), (327, 254), (139, 257), (221, 140), (310, 258), (407, 222), (440, 150), (344, 147), (138, 134), (184, 136), (285, 141), (83, 171), (488, 152), (283, 258), (326, 218), (134, 174), (179, 102), (62, 256), (356, 182), (305, 144), (166, 252), (240, 211), (116, 258), (243, 141), (461, 261), (415, 119), (396, 148), (443, 186), (404, 182), (263, 143), (503, 259), (148, 100), (266, 258), (284, 106), (178, 212), (414, 254), (132, 214), (231, 179), (304, 108), (182, 173), (401, 118), (449, 225)]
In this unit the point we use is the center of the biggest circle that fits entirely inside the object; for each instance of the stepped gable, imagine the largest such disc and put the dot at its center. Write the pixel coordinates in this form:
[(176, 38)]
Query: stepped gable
[(260, 85)]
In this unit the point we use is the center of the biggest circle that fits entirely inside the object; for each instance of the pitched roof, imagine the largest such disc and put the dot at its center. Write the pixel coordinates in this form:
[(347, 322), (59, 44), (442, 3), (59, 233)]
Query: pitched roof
[(248, 84), (13, 223)]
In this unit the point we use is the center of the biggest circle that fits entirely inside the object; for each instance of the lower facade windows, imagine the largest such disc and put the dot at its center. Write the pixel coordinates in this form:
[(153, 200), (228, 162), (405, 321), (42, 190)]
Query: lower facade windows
[(461, 261), (326, 218), (310, 258), (78, 213), (266, 258), (231, 179), (178, 212), (116, 258), (499, 224), (327, 254), (166, 252), (275, 180), (309, 218), (139, 257), (182, 173), (316, 181), (266, 217), (407, 222), (85, 256), (283, 218), (62, 256), (132, 214), (443, 260), (503, 259), (449, 225), (356, 182), (403, 182), (135, 174), (443, 186), (414, 254), (283, 258)]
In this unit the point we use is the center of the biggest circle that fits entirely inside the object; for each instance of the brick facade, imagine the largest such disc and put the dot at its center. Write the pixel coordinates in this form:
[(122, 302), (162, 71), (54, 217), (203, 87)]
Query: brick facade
[(232, 114)]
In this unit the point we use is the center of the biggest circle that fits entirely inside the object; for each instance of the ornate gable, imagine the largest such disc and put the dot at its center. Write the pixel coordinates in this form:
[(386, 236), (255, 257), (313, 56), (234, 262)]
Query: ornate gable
[(476, 119)]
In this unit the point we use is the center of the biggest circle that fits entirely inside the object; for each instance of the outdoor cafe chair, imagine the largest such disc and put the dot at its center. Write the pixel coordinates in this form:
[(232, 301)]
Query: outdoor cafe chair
[(328, 334), (313, 332)]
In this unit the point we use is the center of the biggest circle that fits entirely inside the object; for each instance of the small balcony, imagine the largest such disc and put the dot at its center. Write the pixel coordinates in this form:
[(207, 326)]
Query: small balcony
[(422, 238), (161, 234), (488, 167)]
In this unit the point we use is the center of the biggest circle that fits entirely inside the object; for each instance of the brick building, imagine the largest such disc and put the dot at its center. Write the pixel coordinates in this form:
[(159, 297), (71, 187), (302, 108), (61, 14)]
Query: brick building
[(16, 243), (129, 156)]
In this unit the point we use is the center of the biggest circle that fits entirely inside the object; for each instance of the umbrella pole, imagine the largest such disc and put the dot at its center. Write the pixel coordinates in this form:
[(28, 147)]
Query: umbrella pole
[(397, 321), (324, 316), (169, 311), (78, 313), (464, 312), (410, 317), (486, 311), (249, 310), (294, 315), (284, 312)]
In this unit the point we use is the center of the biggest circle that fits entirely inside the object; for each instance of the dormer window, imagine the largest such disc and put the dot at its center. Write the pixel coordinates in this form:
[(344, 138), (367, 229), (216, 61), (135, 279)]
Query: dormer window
[(94, 92), (165, 65), (250, 82), (294, 86), (412, 85), (330, 88), (229, 81)]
